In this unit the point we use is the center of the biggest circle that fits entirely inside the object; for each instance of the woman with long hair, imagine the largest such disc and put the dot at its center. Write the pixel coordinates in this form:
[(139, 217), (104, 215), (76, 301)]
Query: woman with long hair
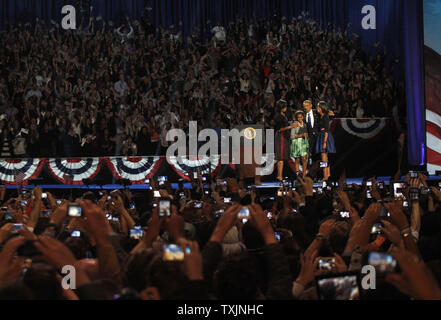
[(299, 143), (282, 147), (325, 141)]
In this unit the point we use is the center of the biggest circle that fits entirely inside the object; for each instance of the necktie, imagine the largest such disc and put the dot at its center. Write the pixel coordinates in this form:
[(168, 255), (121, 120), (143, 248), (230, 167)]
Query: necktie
[(308, 120)]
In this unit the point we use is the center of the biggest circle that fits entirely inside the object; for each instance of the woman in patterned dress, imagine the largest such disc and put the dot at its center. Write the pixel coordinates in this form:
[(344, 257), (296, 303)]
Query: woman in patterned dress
[(299, 143), (325, 141)]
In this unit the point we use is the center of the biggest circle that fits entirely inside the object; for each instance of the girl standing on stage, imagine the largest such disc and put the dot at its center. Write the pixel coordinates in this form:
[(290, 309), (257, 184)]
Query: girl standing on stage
[(325, 141), (299, 143)]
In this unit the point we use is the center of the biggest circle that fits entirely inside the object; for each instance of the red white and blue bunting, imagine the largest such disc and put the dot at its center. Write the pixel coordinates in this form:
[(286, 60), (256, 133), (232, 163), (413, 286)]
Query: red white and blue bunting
[(137, 169), (73, 171), (184, 166), (29, 168), (363, 128), (134, 169)]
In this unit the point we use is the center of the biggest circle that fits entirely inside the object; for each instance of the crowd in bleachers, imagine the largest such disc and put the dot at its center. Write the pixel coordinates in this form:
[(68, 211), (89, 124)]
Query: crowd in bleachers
[(102, 90)]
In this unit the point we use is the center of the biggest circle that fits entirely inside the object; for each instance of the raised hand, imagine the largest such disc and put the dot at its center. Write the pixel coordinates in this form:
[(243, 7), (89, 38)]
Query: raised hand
[(342, 182), (295, 196), (28, 235), (307, 272), (397, 215), (175, 224), (307, 185), (340, 265), (117, 204), (416, 280), (96, 221), (326, 227), (5, 232), (77, 224), (59, 215), (153, 229), (193, 265), (423, 179), (18, 216), (10, 267), (262, 223), (375, 193), (372, 214), (436, 193), (344, 198), (353, 239), (225, 223), (55, 252), (392, 233), (37, 193), (102, 201)]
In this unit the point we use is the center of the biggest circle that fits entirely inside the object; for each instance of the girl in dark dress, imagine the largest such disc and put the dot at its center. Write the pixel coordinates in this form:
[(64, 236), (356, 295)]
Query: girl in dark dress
[(282, 143), (325, 141)]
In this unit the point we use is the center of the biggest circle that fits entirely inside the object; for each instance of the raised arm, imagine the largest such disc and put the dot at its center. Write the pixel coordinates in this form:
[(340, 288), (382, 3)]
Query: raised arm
[(36, 208), (293, 126), (98, 225), (279, 282)]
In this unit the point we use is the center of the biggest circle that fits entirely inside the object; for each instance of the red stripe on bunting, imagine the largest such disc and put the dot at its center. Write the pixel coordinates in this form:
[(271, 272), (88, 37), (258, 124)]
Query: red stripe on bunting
[(152, 173), (34, 175), (334, 123), (64, 181), (74, 160), (37, 172), (183, 176), (13, 160)]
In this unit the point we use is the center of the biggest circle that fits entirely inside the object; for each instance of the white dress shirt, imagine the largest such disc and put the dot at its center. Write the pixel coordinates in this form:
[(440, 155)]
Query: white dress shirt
[(311, 117)]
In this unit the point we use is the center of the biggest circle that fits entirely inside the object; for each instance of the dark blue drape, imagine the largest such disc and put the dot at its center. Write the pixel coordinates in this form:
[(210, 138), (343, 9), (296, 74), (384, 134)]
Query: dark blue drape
[(414, 76), (399, 27), (15, 11), (185, 15)]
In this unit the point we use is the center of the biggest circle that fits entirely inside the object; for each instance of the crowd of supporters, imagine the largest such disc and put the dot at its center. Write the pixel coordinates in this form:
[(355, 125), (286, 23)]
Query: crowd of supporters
[(102, 90), (224, 241)]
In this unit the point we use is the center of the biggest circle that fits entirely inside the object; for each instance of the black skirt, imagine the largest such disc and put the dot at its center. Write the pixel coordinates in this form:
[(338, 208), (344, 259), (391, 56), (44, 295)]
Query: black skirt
[(282, 146)]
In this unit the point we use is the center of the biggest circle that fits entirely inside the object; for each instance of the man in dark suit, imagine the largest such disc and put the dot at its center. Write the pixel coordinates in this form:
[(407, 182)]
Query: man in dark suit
[(312, 119)]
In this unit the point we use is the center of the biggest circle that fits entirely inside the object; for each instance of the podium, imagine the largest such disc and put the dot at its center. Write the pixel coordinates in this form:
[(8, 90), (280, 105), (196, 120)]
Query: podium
[(251, 148)]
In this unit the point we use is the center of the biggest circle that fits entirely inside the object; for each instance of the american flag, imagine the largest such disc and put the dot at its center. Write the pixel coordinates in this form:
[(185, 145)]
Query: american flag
[(433, 124), (433, 109), (19, 176)]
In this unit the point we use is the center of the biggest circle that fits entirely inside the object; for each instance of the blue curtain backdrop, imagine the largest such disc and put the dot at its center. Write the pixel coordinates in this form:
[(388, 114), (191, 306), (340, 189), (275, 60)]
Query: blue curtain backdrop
[(399, 27), (414, 75), (188, 14)]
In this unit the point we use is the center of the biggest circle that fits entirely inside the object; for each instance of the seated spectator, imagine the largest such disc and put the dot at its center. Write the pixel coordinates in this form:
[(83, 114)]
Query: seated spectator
[(126, 78)]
